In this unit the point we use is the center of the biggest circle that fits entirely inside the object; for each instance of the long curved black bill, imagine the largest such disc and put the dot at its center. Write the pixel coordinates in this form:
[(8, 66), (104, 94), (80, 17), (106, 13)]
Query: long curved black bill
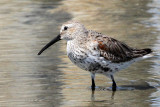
[(56, 39)]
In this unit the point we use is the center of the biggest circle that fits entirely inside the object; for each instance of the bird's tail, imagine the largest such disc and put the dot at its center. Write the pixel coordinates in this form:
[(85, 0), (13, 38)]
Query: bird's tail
[(147, 53), (143, 53), (147, 50)]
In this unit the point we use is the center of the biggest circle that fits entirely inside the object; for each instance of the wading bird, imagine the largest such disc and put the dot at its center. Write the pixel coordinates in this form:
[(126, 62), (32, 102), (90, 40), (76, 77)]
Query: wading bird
[(95, 52)]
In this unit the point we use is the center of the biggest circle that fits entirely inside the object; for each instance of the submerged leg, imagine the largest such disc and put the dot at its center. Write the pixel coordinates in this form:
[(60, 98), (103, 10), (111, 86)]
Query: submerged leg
[(93, 83), (114, 86)]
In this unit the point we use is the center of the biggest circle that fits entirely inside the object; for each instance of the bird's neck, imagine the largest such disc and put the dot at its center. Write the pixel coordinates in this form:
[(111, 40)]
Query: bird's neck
[(80, 38), (76, 45)]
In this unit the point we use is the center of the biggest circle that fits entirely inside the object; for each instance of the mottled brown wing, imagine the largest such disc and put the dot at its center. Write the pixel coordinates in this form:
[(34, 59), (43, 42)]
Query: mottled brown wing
[(115, 50)]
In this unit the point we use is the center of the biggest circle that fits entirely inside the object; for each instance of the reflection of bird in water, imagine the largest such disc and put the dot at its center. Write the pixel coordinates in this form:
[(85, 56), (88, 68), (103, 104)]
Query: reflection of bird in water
[(93, 96), (95, 52)]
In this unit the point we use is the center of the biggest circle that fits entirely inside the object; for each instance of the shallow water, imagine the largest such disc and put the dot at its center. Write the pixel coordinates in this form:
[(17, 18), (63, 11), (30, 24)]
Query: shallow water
[(28, 80)]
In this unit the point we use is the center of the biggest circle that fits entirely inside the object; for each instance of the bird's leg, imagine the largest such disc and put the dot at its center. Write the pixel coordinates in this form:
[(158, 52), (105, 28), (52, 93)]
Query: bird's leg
[(114, 86), (93, 83)]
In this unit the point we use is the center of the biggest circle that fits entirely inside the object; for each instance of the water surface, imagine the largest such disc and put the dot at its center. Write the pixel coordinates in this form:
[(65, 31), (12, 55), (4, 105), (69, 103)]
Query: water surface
[(28, 80)]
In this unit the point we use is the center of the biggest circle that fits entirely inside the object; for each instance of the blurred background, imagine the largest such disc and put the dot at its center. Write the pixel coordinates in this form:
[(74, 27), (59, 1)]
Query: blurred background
[(51, 80)]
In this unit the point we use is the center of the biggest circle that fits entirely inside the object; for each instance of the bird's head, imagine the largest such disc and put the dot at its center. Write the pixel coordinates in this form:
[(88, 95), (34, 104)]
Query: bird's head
[(69, 31)]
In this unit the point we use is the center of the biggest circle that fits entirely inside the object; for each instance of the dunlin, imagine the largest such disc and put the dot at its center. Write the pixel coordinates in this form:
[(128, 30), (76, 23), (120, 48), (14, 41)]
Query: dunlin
[(95, 52)]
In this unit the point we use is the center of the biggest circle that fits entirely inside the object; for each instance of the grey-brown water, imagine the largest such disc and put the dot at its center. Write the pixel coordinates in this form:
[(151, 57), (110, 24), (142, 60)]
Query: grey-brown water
[(51, 80)]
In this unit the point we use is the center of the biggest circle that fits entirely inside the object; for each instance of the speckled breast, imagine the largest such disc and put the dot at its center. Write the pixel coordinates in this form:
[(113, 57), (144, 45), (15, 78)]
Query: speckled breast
[(78, 60)]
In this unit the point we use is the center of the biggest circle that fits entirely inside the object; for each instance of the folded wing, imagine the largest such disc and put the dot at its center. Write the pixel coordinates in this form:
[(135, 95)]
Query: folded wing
[(117, 51)]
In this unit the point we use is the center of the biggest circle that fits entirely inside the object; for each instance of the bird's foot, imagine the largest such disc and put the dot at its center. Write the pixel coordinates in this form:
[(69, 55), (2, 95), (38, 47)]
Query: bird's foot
[(114, 88), (93, 88)]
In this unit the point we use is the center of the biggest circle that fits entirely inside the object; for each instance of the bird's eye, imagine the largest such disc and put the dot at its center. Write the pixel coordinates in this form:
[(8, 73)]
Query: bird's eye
[(65, 28)]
